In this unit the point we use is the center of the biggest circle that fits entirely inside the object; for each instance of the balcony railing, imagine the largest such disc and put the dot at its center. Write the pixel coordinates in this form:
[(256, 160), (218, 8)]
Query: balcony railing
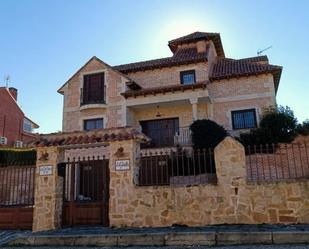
[(168, 137), (89, 101)]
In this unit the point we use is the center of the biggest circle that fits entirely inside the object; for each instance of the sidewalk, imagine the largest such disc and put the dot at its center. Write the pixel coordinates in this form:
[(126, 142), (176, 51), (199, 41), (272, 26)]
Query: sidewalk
[(170, 236)]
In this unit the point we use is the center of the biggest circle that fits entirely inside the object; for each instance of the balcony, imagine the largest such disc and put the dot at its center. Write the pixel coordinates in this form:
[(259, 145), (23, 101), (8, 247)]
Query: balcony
[(92, 102), (168, 137)]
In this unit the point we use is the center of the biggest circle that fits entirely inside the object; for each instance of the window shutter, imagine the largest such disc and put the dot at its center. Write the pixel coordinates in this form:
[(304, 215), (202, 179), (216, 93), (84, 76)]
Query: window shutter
[(93, 91)]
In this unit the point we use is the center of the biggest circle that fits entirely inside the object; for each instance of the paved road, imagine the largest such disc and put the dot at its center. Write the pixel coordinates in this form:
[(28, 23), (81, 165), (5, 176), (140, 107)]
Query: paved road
[(187, 247)]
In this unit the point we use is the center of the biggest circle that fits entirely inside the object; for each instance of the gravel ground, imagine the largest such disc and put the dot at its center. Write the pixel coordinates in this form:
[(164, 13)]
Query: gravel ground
[(186, 247)]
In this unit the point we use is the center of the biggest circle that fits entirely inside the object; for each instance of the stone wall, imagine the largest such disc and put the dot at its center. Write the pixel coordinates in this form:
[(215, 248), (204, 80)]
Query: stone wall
[(231, 201), (112, 114), (169, 75), (48, 194)]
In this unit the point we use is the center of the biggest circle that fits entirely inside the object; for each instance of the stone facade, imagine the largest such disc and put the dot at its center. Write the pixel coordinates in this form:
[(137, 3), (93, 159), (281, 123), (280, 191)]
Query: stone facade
[(231, 201), (215, 102), (48, 194)]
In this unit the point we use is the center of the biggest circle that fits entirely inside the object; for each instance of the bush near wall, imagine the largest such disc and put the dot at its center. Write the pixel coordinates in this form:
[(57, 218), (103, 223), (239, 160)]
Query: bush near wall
[(277, 125), (206, 134), (10, 156)]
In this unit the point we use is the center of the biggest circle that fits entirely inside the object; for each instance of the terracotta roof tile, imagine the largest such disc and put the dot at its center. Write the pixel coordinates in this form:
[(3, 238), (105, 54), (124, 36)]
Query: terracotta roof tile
[(196, 36), (164, 89), (181, 57), (229, 68), (89, 137)]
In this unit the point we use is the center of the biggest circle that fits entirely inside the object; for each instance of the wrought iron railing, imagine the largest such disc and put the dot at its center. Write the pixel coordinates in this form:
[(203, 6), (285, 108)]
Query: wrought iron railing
[(277, 162), (180, 167)]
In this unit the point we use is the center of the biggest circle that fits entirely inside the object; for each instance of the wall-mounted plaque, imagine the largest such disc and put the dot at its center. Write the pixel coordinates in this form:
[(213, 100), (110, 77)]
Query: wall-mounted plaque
[(121, 165), (46, 170)]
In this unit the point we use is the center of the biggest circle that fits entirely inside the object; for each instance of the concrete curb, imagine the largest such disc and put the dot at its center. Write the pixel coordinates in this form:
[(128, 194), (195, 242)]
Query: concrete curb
[(166, 239)]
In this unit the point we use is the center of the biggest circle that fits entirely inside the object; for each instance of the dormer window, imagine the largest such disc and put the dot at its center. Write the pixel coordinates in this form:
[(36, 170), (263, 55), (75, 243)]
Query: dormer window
[(93, 91), (187, 77)]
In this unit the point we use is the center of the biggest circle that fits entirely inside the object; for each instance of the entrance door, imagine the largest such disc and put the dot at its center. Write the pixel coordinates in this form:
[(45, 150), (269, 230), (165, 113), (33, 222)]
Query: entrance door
[(161, 131), (86, 193)]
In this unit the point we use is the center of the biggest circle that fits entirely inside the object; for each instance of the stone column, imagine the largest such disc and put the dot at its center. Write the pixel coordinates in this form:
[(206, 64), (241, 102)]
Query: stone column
[(48, 193), (194, 108), (122, 181), (210, 110)]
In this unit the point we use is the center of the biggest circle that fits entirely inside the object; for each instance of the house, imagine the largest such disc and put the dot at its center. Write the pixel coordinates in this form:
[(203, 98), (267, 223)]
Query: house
[(15, 128), (164, 96)]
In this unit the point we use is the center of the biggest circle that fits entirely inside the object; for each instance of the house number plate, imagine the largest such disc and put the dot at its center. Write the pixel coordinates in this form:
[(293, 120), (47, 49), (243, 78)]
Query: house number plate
[(121, 165), (46, 170)]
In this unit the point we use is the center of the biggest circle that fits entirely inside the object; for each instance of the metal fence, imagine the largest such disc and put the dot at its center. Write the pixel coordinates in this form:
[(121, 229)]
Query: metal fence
[(17, 185), (181, 167), (277, 162)]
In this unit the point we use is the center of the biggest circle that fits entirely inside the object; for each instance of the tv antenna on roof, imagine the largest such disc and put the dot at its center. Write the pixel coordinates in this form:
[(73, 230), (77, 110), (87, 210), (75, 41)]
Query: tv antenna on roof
[(260, 51), (7, 79)]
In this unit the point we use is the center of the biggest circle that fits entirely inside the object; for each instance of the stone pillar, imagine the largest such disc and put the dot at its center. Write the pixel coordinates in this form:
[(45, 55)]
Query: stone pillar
[(122, 181), (194, 108), (48, 193), (210, 111), (230, 162)]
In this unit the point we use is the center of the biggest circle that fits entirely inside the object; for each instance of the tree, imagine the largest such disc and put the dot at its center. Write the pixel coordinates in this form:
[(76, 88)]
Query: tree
[(303, 129), (277, 125), (206, 134)]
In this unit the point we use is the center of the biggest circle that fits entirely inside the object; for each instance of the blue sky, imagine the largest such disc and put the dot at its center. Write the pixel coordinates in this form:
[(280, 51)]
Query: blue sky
[(42, 43)]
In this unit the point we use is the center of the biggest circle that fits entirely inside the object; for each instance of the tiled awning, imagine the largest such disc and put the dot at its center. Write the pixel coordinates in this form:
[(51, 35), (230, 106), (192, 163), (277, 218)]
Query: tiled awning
[(94, 137)]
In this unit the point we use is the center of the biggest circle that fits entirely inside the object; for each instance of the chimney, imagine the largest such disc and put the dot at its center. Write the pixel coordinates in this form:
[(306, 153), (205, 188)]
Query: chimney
[(13, 92)]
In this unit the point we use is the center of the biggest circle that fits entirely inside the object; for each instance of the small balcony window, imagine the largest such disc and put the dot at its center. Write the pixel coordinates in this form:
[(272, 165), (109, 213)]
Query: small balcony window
[(92, 124), (244, 119), (187, 77), (93, 91)]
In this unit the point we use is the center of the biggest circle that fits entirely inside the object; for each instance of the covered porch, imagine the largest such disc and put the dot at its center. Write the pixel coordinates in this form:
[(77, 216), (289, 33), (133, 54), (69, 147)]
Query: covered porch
[(166, 117)]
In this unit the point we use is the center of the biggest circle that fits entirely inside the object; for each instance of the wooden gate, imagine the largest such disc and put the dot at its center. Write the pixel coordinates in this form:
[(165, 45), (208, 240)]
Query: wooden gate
[(16, 196), (86, 192)]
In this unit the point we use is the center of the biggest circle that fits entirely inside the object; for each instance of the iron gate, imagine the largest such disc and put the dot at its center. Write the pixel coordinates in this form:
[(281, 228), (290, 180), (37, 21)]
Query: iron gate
[(16, 196), (86, 192)]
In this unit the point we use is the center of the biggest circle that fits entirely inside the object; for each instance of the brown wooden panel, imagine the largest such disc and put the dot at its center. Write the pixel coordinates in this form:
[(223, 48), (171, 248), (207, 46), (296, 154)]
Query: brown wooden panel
[(16, 217), (86, 204)]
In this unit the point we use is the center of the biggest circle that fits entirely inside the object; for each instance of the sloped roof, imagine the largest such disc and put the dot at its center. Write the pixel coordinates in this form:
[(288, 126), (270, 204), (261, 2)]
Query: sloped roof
[(60, 90), (230, 68), (181, 57), (164, 89), (93, 137), (6, 91), (197, 36)]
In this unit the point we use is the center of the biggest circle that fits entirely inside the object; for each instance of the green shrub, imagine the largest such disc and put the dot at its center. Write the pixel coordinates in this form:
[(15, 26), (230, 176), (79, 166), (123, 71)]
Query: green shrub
[(17, 157), (303, 129), (206, 134), (277, 125)]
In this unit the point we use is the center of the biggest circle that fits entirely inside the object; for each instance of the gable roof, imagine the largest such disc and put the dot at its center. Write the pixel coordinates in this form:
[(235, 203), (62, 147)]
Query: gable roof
[(60, 90), (6, 91), (181, 57), (227, 68), (198, 36)]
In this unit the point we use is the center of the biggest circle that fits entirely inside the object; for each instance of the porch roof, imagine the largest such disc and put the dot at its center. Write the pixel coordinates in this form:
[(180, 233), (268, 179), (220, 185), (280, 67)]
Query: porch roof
[(93, 137), (164, 89)]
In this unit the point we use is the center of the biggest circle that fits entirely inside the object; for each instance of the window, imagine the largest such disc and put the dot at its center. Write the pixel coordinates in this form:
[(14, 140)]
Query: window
[(161, 131), (93, 91), (27, 126), (187, 77), (92, 124), (244, 119)]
